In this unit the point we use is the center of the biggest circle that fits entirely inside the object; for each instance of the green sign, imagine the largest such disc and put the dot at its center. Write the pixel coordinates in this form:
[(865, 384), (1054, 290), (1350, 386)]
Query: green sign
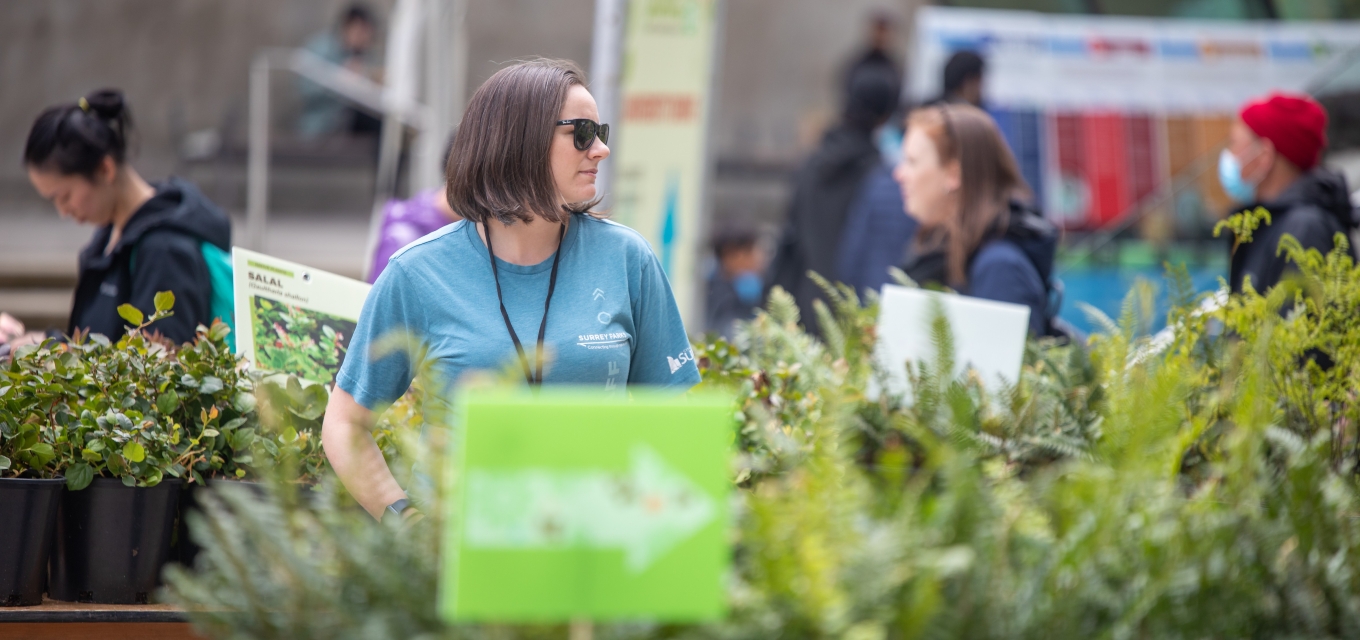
[(570, 505)]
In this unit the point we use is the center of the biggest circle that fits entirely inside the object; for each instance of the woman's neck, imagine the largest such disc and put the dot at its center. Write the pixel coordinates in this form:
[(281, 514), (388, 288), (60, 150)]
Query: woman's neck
[(133, 192), (522, 243)]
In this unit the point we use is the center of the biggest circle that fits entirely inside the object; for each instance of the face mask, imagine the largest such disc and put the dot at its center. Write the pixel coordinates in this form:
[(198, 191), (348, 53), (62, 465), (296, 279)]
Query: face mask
[(748, 286), (1230, 176)]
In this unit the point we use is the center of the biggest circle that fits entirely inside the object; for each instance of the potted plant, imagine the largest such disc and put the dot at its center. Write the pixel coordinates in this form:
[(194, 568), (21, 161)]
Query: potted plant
[(126, 453), (30, 479)]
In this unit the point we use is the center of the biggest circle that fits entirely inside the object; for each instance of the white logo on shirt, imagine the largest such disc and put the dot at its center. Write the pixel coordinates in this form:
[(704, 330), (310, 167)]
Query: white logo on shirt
[(603, 340), (685, 356), (599, 293)]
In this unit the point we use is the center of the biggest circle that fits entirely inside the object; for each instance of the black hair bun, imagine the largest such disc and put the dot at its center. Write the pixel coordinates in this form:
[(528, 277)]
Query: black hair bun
[(74, 138), (108, 104), (109, 107)]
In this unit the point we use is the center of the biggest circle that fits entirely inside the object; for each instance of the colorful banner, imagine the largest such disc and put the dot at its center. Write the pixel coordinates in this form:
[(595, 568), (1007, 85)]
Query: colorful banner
[(1103, 112), (291, 318), (659, 151)]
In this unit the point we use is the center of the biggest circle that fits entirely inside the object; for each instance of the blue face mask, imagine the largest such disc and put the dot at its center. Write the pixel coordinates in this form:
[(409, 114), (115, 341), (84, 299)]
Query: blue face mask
[(1230, 176), (748, 286)]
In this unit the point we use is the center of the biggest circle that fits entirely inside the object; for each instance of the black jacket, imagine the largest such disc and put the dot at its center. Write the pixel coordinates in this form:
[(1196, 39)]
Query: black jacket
[(823, 190), (1313, 209), (1012, 265), (164, 234)]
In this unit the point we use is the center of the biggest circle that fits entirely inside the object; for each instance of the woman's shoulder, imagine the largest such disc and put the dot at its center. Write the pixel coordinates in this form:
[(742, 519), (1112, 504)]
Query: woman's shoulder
[(1001, 259), (607, 235), (436, 244)]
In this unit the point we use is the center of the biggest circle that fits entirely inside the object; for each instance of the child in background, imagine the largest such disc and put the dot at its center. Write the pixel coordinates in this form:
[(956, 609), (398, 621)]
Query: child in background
[(735, 286)]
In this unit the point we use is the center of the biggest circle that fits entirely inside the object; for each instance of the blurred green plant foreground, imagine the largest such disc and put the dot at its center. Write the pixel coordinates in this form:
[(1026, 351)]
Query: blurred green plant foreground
[(1203, 486)]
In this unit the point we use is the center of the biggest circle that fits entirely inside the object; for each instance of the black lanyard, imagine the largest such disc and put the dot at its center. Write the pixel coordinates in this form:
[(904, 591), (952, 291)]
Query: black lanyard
[(536, 376)]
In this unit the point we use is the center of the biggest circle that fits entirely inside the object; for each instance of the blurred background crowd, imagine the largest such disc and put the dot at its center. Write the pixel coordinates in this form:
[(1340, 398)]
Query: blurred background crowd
[(1114, 115)]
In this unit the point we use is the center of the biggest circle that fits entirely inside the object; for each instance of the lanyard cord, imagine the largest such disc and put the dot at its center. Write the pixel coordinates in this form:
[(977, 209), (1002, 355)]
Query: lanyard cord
[(536, 377)]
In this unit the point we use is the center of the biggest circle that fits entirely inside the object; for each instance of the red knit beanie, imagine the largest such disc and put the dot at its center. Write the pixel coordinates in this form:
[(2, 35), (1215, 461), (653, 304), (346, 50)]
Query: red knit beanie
[(1296, 124)]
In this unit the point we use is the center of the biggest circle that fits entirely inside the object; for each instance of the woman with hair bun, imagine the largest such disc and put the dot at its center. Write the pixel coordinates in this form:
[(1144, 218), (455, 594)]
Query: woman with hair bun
[(149, 237)]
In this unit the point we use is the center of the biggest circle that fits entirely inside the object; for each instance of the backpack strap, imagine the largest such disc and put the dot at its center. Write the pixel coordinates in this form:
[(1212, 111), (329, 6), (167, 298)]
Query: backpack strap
[(221, 298)]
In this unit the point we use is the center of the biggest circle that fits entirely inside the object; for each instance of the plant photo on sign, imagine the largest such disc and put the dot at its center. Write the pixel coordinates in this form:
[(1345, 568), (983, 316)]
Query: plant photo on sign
[(289, 338)]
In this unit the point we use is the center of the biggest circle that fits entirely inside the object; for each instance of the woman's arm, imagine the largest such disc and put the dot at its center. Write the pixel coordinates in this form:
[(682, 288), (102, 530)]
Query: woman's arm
[(347, 437)]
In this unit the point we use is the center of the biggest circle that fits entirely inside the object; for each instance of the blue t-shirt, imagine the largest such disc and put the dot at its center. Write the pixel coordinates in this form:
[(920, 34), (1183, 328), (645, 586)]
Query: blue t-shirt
[(613, 320)]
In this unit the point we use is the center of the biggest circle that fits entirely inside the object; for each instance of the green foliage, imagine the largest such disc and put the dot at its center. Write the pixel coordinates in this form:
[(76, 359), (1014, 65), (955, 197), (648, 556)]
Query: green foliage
[(1242, 225), (1198, 483), (136, 409)]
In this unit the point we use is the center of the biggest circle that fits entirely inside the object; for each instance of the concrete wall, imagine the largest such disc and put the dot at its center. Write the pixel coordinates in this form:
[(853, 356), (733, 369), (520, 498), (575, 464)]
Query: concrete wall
[(183, 65)]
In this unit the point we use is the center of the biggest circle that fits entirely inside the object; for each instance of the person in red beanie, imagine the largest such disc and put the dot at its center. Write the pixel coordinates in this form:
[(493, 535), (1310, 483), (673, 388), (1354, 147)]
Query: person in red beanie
[(1273, 160)]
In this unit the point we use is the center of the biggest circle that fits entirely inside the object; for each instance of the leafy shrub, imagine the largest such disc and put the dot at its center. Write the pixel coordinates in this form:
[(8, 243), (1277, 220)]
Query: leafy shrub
[(135, 409), (1199, 483)]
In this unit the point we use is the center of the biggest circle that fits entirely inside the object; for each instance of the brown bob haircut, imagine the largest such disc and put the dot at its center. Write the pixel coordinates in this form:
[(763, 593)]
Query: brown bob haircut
[(989, 179), (498, 164)]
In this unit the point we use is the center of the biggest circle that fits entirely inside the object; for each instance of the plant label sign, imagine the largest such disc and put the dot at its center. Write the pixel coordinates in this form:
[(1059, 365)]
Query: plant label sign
[(570, 505), (989, 336), (291, 318)]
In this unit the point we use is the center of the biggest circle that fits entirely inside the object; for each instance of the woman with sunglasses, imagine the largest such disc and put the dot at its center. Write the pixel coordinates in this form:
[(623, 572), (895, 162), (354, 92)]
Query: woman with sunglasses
[(530, 278)]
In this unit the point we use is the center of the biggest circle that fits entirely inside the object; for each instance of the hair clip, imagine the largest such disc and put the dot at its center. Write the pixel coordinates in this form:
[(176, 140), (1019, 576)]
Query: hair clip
[(84, 104)]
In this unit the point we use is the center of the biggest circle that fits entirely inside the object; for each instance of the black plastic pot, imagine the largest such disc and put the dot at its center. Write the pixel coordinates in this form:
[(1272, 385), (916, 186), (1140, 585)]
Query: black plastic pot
[(28, 517), (186, 550), (112, 541)]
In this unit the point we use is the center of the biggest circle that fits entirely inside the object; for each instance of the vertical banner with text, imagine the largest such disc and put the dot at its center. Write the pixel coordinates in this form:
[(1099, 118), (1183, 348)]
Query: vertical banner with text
[(660, 152)]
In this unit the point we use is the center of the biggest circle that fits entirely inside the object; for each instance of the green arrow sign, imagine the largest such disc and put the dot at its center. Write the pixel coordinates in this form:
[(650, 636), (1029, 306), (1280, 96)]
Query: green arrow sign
[(571, 505)]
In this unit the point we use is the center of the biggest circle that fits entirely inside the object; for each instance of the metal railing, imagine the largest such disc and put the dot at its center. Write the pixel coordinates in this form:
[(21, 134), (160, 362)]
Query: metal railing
[(356, 88)]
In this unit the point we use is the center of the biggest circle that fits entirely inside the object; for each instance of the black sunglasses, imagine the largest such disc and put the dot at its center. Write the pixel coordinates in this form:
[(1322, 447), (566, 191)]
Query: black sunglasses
[(586, 130)]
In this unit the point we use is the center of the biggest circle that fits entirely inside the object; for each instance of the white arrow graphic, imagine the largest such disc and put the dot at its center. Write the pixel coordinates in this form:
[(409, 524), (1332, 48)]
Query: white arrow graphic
[(646, 511), (598, 293)]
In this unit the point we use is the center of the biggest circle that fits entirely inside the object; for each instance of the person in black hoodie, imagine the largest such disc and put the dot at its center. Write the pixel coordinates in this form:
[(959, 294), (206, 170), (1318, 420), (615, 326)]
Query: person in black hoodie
[(977, 236), (1272, 161), (825, 187), (150, 237)]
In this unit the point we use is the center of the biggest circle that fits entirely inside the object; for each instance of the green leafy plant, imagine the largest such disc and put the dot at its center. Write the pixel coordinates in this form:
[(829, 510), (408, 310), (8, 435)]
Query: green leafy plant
[(124, 405), (1200, 483), (137, 409), (23, 453)]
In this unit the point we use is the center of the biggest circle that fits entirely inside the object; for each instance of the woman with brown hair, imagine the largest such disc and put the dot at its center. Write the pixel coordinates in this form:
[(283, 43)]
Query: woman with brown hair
[(976, 236), (528, 278)]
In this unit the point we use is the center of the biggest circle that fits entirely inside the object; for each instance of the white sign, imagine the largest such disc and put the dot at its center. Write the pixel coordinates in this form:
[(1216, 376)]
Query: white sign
[(291, 318), (989, 336)]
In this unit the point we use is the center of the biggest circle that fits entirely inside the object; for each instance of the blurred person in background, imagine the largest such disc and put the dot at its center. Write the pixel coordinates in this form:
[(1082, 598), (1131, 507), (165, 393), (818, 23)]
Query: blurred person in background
[(877, 233), (735, 285), (13, 334), (824, 188), (1273, 160), (962, 79), (405, 221), (349, 45), (149, 237), (879, 53), (976, 235)]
